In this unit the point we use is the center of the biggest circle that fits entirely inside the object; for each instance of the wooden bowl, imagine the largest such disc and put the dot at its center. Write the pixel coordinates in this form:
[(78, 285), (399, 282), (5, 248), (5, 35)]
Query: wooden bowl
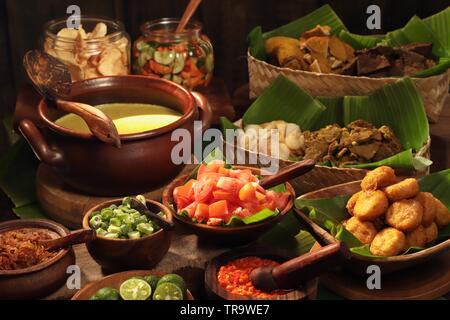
[(359, 264), (114, 281), (40, 280), (226, 235), (215, 291), (126, 254)]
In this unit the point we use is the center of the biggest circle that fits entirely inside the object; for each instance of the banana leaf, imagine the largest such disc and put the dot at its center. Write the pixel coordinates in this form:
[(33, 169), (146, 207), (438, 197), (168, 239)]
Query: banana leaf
[(284, 100), (418, 31), (359, 42), (330, 212), (397, 105), (439, 23), (18, 167), (323, 16), (288, 234), (442, 66)]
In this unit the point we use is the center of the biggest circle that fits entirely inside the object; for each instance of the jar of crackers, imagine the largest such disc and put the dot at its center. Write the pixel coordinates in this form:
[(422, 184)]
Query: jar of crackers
[(99, 47)]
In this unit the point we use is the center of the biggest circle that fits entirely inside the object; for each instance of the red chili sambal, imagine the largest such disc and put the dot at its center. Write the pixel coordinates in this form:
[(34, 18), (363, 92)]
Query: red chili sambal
[(235, 277)]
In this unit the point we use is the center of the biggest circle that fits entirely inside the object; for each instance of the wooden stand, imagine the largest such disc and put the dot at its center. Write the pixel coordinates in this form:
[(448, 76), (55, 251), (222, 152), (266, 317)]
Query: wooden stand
[(66, 205)]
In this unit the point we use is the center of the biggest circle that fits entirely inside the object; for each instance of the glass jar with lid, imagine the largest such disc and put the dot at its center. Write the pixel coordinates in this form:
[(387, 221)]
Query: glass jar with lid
[(186, 57), (100, 47)]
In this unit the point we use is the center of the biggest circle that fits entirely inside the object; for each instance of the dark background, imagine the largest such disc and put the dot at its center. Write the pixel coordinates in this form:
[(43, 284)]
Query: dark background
[(227, 22)]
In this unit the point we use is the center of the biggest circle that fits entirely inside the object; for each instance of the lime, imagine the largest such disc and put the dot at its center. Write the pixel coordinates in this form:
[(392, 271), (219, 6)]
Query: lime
[(106, 294), (135, 289), (152, 281), (168, 291), (175, 279)]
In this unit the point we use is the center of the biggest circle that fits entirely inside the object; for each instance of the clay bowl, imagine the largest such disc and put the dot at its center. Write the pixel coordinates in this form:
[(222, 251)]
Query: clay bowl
[(225, 235), (216, 291), (126, 254), (143, 162), (40, 280), (114, 281), (358, 264)]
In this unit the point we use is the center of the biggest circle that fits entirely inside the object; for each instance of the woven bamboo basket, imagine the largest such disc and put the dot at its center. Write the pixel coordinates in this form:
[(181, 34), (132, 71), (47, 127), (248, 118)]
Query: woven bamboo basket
[(321, 176), (261, 74)]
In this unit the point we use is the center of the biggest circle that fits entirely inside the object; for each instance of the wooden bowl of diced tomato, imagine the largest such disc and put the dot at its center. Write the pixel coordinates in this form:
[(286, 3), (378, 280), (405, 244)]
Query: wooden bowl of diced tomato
[(226, 205)]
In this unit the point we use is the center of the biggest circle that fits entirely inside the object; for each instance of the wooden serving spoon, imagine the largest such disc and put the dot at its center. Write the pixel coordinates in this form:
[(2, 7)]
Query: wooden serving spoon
[(139, 206), (188, 13), (76, 237), (52, 80), (297, 271), (287, 173)]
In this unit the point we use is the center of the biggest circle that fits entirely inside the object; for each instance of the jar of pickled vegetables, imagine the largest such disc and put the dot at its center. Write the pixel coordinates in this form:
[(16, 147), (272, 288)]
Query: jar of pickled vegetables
[(100, 47), (185, 57)]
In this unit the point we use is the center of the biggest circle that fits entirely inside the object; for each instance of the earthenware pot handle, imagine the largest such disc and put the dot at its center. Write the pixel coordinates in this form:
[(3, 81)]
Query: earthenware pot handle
[(39, 145), (205, 110)]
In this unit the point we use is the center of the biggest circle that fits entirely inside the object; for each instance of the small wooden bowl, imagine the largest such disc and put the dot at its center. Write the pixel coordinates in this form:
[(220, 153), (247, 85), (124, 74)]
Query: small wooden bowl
[(126, 254), (358, 264), (114, 281), (226, 235), (216, 291), (40, 280)]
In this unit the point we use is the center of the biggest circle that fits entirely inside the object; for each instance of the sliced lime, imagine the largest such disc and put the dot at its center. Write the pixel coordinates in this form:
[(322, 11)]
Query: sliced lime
[(168, 291), (152, 281), (106, 294), (175, 279), (135, 289)]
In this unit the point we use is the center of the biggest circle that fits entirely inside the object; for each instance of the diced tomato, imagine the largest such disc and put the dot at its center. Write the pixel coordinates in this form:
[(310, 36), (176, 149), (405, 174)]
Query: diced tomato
[(201, 212), (244, 175), (218, 209), (203, 190), (214, 222), (186, 190), (247, 192), (241, 212), (223, 171), (224, 195), (213, 176), (229, 184), (260, 196), (190, 209), (281, 200), (213, 166), (181, 202)]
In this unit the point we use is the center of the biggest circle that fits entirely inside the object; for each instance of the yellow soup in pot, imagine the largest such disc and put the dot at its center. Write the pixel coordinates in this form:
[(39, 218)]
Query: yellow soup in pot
[(129, 118)]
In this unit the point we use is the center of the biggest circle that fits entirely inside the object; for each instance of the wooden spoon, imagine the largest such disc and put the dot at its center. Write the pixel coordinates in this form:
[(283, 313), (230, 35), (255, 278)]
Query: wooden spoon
[(76, 237), (139, 206), (190, 9), (297, 271), (287, 173), (52, 80)]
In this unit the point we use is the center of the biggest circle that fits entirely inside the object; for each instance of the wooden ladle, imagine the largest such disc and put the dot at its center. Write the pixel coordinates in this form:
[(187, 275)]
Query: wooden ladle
[(52, 80), (291, 274), (287, 173), (188, 13), (76, 237), (139, 206)]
